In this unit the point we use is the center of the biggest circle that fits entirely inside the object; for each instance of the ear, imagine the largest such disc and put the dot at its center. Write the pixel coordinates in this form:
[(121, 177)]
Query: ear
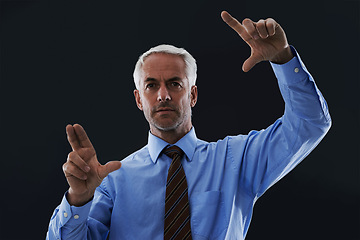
[(193, 96), (138, 99)]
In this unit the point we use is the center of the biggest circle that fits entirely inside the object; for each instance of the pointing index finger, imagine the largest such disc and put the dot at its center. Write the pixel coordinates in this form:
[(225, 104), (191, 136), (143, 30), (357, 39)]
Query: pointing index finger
[(77, 137), (82, 137), (236, 25), (72, 138)]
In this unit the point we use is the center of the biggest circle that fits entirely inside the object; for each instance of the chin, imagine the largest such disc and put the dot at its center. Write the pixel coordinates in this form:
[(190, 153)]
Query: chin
[(166, 128)]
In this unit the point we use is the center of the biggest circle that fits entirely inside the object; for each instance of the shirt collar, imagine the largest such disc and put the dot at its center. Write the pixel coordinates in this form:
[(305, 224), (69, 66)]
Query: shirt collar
[(186, 143)]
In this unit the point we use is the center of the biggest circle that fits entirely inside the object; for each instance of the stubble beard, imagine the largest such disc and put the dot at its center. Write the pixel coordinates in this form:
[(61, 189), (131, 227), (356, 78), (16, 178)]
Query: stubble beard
[(167, 127)]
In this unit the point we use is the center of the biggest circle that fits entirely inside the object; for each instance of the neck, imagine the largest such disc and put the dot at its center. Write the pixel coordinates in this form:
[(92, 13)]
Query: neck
[(171, 136)]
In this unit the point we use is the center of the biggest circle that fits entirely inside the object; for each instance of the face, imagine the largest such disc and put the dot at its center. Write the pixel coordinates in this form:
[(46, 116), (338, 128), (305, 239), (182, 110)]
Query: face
[(165, 96)]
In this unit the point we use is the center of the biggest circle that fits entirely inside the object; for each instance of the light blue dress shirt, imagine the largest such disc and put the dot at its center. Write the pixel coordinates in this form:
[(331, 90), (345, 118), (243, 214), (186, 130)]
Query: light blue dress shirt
[(225, 178)]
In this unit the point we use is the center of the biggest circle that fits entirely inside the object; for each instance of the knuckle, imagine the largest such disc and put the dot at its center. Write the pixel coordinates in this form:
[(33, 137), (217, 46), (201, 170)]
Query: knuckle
[(260, 23), (65, 167), (246, 21), (270, 22), (69, 168), (72, 155), (69, 156)]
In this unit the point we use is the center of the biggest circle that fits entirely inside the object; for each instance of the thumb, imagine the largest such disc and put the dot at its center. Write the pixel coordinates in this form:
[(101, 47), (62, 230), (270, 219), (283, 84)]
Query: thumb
[(251, 62), (108, 168)]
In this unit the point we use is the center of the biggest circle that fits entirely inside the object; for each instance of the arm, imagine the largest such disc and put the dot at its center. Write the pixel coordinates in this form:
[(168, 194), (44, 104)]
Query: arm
[(91, 221), (84, 174), (271, 153)]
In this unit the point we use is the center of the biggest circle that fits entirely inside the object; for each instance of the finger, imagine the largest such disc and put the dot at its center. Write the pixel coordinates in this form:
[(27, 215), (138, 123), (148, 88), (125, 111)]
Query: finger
[(234, 24), (109, 167), (72, 138), (71, 170), (250, 63), (250, 28), (82, 137), (78, 161), (271, 26), (261, 28)]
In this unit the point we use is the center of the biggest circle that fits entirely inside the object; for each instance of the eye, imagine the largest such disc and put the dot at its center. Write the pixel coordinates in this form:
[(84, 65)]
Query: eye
[(175, 84), (150, 85)]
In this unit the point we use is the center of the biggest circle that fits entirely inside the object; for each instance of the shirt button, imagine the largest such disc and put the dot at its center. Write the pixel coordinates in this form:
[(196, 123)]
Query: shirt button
[(65, 214), (76, 216), (296, 70)]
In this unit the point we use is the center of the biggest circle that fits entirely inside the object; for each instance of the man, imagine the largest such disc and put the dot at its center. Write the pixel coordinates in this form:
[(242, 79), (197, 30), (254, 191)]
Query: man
[(219, 182)]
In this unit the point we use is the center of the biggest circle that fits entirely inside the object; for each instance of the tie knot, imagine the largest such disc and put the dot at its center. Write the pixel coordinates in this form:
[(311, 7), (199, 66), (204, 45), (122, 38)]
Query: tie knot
[(173, 152)]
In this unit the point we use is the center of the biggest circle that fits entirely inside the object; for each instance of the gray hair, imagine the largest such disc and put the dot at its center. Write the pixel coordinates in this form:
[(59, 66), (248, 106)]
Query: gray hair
[(190, 63)]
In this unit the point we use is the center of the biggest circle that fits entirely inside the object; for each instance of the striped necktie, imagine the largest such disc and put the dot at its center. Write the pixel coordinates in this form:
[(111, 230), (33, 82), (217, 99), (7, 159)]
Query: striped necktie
[(177, 213)]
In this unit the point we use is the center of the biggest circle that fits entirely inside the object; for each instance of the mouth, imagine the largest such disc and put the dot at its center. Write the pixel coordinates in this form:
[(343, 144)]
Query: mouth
[(165, 109)]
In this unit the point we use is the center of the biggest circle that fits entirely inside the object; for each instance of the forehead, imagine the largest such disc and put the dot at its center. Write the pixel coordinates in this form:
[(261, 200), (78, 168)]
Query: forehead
[(163, 65)]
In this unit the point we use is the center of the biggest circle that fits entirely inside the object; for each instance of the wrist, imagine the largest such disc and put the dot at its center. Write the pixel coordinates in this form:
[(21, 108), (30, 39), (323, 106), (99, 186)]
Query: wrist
[(283, 56), (78, 200)]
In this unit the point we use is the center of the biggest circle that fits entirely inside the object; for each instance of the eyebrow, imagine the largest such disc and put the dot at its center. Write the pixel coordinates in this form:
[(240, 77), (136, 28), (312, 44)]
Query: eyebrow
[(149, 79)]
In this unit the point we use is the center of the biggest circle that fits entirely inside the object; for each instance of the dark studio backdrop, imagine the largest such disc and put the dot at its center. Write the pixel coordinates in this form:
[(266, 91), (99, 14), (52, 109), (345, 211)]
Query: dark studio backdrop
[(72, 62)]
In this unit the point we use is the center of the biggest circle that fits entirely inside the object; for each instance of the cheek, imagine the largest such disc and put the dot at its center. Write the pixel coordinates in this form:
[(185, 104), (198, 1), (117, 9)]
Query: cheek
[(145, 106), (146, 103), (186, 103)]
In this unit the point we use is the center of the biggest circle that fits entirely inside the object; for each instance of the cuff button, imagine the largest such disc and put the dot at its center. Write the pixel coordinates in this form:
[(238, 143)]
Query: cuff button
[(296, 70)]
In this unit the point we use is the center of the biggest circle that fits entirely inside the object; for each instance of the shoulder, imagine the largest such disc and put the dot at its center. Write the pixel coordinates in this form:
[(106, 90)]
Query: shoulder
[(139, 154), (132, 161), (224, 142)]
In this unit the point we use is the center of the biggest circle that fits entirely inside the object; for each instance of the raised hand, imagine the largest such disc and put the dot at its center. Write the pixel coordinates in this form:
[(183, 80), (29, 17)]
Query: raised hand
[(82, 170), (266, 39)]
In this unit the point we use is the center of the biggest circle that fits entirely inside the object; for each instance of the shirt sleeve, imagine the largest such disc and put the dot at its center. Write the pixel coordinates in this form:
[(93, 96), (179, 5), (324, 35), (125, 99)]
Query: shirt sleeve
[(90, 221), (269, 154)]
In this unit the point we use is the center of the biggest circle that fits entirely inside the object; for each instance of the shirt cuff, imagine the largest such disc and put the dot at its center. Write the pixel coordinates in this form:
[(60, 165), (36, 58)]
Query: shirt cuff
[(291, 72), (72, 215)]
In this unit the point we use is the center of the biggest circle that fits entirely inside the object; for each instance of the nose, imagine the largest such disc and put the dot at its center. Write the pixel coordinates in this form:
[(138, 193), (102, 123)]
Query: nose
[(163, 94)]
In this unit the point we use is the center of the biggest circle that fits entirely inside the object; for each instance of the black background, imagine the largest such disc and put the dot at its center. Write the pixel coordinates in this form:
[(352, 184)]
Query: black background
[(72, 62)]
